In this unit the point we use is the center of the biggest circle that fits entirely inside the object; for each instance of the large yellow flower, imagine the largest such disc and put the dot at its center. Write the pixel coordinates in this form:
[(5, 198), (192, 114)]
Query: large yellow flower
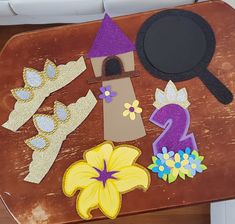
[(103, 176)]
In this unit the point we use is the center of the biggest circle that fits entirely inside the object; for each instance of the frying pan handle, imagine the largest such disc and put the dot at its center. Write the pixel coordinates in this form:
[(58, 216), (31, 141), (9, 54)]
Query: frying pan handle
[(216, 87)]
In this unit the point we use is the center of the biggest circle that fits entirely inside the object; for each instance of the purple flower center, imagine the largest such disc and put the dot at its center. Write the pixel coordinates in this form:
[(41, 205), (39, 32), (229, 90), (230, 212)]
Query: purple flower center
[(131, 109), (104, 175)]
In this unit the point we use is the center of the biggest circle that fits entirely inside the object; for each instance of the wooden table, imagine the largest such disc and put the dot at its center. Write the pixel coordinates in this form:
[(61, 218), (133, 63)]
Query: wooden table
[(197, 214), (212, 122)]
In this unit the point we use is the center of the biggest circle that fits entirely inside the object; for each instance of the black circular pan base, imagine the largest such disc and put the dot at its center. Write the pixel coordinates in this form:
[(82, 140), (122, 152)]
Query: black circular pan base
[(175, 45)]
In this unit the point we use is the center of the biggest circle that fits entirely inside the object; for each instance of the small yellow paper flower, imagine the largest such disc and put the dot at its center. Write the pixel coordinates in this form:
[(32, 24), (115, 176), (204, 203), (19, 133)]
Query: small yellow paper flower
[(177, 165), (132, 109), (103, 176)]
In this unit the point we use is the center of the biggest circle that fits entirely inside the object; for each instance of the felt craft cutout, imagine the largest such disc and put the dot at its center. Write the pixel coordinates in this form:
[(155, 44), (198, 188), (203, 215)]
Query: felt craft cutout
[(103, 176), (110, 40), (113, 63), (38, 86), (184, 54), (175, 151), (111, 54), (172, 115), (52, 131), (171, 96), (169, 165), (117, 127), (132, 109), (107, 94)]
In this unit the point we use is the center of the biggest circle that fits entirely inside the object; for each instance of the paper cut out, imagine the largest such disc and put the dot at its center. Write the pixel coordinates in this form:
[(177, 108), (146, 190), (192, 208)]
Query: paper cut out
[(171, 114), (23, 94), (175, 151), (112, 52), (38, 86), (132, 109), (171, 96), (102, 177), (107, 94), (52, 131), (169, 165), (39, 142), (51, 70), (110, 40), (182, 55), (112, 60), (117, 127), (176, 121), (113, 66), (61, 111)]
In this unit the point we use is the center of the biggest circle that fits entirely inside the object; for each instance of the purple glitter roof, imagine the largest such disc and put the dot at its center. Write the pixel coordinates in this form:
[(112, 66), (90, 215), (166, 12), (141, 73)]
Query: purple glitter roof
[(110, 40)]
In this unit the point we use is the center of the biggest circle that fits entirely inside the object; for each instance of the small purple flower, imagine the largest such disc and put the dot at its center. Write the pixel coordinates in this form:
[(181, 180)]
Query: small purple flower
[(107, 94)]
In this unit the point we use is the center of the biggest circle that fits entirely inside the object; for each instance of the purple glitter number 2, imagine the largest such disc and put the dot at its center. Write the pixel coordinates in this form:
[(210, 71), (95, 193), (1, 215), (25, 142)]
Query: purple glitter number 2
[(175, 120)]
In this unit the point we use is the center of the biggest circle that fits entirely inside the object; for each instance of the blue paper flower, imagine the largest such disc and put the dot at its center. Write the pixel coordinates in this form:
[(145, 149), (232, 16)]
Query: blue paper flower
[(186, 154), (188, 164), (194, 166), (160, 168), (165, 155)]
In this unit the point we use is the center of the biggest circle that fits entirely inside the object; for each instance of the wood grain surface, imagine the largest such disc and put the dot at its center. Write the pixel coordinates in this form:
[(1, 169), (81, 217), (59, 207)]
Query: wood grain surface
[(211, 122), (199, 214)]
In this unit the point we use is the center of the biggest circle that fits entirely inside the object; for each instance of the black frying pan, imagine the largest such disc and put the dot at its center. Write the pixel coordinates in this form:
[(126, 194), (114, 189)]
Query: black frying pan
[(178, 45)]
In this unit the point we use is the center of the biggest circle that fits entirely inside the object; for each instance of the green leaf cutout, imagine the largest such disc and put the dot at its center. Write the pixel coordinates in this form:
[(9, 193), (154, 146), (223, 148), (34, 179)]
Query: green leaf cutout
[(201, 158), (203, 167), (164, 177), (171, 178), (154, 159), (195, 153), (151, 166), (182, 175), (190, 175)]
